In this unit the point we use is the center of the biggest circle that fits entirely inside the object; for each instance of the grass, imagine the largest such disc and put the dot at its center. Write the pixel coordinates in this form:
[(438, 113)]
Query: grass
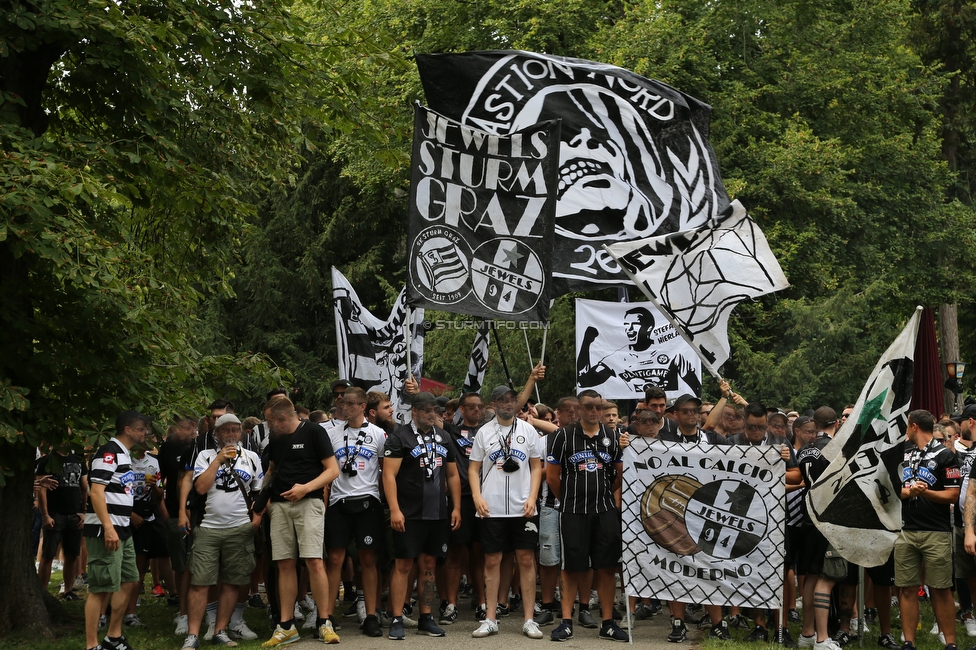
[(154, 612), (923, 640)]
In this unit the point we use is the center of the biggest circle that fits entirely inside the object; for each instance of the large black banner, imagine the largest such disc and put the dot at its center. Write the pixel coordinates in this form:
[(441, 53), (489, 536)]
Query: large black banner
[(635, 160), (481, 218)]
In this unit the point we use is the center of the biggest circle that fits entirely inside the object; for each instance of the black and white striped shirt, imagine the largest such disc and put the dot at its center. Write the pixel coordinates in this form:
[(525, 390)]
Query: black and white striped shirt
[(589, 467), (111, 467)]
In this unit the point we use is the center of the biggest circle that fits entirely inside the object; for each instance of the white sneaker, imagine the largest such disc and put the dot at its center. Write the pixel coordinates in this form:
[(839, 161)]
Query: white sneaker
[(530, 629), (487, 628), (310, 619), (298, 612), (970, 624), (241, 631), (182, 625), (409, 622), (829, 644), (211, 629), (806, 641), (308, 602), (361, 609), (935, 628)]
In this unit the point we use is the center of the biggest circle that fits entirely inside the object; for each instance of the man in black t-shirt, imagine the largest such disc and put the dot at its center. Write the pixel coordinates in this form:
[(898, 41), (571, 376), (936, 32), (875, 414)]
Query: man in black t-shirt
[(302, 464), (460, 544), (930, 485), (419, 470), (62, 515), (179, 438)]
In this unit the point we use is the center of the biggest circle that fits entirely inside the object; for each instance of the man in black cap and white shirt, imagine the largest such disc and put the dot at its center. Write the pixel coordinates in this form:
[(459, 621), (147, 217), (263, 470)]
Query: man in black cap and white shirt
[(418, 472), (355, 513), (505, 474)]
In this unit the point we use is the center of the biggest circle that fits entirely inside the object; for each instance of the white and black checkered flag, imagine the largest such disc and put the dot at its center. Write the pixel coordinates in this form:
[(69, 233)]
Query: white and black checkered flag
[(372, 352), (704, 524), (479, 359), (855, 503), (697, 277)]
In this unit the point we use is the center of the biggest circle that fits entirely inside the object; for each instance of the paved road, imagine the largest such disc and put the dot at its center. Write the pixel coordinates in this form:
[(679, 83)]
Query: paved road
[(648, 635)]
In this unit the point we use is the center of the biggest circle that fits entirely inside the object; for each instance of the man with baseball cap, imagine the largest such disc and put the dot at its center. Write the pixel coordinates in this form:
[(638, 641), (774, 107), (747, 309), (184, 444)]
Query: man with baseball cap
[(686, 414), (112, 572), (505, 474), (418, 472), (227, 476)]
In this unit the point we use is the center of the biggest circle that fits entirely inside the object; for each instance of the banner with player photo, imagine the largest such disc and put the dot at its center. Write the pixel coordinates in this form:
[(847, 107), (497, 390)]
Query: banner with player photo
[(373, 352), (635, 160), (624, 347), (481, 218), (704, 524)]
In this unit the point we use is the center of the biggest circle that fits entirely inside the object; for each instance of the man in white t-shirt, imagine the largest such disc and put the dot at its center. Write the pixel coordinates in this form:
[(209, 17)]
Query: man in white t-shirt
[(355, 512), (505, 472), (223, 543)]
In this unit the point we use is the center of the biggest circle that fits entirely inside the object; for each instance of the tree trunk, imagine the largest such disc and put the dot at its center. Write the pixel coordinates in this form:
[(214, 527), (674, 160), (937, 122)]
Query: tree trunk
[(949, 350), (22, 596)]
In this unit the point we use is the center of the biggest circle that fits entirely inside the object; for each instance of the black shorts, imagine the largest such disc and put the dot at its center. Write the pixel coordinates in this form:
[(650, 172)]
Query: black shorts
[(851, 579), (793, 544), (810, 551), (422, 536), (65, 533), (361, 524), (468, 530), (151, 539), (884, 575), (590, 541), (505, 534)]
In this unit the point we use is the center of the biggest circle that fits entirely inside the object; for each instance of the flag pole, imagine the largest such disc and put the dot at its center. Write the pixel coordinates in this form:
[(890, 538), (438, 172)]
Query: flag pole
[(501, 355), (667, 314), (545, 335), (860, 606), (531, 365), (406, 325)]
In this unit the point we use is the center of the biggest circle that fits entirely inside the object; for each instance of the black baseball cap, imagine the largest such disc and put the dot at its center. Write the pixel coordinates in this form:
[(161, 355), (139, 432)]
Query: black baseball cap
[(968, 412), (499, 392), (687, 397), (345, 383), (423, 400)]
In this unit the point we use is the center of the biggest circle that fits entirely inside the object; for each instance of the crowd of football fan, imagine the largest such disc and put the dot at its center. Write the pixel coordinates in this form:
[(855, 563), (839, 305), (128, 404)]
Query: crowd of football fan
[(511, 505)]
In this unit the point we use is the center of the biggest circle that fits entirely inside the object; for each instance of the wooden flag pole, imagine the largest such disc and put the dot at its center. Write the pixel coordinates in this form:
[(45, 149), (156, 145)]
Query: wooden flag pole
[(531, 365)]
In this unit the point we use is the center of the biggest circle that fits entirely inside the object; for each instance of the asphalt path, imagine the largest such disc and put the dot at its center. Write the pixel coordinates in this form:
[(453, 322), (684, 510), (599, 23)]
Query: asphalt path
[(648, 635)]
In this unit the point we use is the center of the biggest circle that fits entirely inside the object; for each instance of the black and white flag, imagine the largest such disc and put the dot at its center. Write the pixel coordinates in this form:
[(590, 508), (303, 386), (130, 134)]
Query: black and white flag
[(704, 524), (372, 352), (856, 502), (635, 160), (479, 359), (623, 348), (481, 218), (697, 277)]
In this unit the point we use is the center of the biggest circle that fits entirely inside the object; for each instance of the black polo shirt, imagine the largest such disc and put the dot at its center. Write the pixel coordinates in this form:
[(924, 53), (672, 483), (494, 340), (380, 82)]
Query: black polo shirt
[(462, 437), (420, 496), (588, 468), (938, 467), (812, 464), (69, 470)]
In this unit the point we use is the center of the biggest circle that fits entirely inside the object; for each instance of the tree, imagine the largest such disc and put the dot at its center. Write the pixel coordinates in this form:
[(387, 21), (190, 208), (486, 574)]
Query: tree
[(136, 141)]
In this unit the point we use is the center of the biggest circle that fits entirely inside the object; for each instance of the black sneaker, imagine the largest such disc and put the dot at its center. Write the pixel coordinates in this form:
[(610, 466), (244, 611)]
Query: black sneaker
[(515, 602), (842, 638), (720, 632), (704, 623), (562, 632), (427, 625), (679, 632), (118, 644), (758, 633), (888, 641), (793, 616), (442, 607), (739, 622), (784, 638), (397, 633), (612, 632), (255, 601), (617, 616), (449, 615), (586, 620), (502, 610), (544, 617), (871, 616), (481, 613), (371, 626), (350, 611)]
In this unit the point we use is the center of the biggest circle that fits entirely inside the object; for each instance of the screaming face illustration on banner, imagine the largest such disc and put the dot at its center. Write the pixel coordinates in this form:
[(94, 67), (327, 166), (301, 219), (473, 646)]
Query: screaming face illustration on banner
[(634, 160)]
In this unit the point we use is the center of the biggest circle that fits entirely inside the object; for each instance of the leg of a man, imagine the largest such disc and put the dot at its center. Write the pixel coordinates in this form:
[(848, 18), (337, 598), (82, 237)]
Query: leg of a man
[(197, 605), (526, 563), (287, 589), (821, 607), (606, 585), (226, 602), (398, 585), (426, 589), (571, 581), (367, 560), (318, 580), (492, 577), (94, 606), (337, 556)]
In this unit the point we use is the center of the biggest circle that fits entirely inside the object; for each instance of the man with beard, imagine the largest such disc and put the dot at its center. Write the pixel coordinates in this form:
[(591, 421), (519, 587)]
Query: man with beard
[(460, 545), (418, 473), (379, 411), (505, 476)]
